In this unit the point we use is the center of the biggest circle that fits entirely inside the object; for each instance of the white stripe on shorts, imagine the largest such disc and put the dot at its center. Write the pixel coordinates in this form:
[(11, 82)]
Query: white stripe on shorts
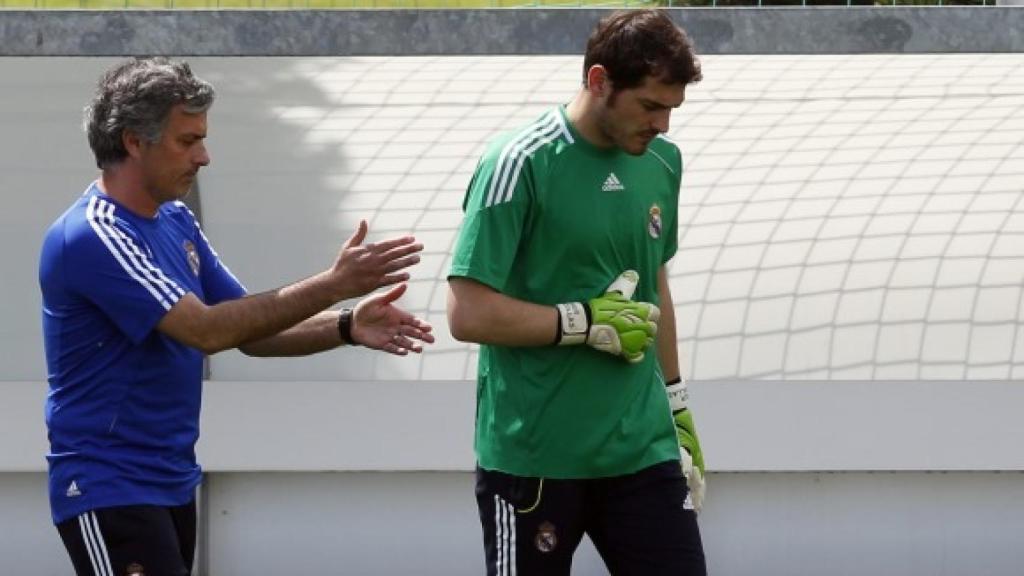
[(505, 537), (95, 545)]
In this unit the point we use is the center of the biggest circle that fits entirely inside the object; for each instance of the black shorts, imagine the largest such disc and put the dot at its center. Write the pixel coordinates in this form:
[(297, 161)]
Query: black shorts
[(132, 541), (638, 523)]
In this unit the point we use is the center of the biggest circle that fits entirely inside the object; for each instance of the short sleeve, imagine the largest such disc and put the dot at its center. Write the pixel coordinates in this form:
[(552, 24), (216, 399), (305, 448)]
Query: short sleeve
[(219, 284), (107, 263), (671, 223), (496, 206)]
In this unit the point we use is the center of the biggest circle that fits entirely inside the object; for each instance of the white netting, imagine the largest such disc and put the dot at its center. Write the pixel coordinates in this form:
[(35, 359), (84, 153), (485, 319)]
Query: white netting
[(842, 217), (854, 218)]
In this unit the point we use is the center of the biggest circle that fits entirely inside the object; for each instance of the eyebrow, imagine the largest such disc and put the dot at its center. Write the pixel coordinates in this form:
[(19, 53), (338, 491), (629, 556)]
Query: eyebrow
[(656, 104)]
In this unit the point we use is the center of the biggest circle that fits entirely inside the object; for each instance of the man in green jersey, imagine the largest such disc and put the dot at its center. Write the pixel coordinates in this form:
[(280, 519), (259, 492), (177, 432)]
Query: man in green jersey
[(560, 274)]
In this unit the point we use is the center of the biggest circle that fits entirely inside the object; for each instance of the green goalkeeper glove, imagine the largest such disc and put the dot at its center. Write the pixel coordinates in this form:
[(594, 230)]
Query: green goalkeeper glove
[(613, 322), (690, 455)]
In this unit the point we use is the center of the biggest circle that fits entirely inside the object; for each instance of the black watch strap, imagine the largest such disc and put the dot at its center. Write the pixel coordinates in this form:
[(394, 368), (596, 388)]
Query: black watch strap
[(345, 327)]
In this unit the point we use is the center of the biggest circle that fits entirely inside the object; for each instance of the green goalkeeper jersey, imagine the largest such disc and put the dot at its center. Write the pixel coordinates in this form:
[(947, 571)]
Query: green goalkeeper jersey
[(551, 218)]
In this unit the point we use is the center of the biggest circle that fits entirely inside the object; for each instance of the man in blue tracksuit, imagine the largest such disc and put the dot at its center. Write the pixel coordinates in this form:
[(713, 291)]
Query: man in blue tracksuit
[(134, 296)]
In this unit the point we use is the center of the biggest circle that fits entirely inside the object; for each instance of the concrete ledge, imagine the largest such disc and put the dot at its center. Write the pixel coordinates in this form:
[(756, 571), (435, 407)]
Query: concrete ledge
[(745, 426), (500, 31)]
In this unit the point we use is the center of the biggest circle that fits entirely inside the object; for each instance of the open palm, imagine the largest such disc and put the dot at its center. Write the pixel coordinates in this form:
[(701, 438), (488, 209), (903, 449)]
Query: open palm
[(377, 323)]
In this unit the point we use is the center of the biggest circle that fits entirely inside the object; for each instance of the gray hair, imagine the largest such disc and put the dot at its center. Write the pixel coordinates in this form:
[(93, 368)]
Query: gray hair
[(137, 95)]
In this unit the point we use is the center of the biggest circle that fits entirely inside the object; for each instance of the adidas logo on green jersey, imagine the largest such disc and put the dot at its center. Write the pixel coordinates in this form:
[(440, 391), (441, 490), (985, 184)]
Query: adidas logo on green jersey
[(612, 184)]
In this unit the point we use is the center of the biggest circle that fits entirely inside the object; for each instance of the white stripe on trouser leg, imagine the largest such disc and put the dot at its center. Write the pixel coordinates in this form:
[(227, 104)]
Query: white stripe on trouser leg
[(87, 540), (512, 536), (93, 545), (505, 537), (499, 545), (105, 558)]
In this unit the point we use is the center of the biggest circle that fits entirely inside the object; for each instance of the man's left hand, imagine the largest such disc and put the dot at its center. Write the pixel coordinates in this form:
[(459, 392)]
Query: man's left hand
[(690, 455), (691, 458), (377, 323)]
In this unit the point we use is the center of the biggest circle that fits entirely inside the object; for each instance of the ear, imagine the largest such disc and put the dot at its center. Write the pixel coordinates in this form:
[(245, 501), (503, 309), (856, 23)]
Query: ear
[(597, 81), (132, 143)]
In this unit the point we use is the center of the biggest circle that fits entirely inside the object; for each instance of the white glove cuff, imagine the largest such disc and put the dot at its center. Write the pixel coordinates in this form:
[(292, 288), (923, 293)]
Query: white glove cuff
[(678, 397), (572, 318)]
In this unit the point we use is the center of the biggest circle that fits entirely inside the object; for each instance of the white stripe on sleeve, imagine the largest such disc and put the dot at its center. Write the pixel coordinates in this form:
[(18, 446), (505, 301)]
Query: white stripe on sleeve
[(134, 253), (553, 128), (93, 220), (511, 152)]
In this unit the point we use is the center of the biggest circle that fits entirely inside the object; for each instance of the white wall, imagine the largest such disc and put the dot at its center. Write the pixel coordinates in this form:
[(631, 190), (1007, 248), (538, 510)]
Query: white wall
[(848, 288), (795, 524)]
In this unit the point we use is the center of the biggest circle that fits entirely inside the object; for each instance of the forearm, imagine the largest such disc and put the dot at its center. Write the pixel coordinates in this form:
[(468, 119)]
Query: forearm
[(480, 314), (252, 318), (316, 334), (668, 353)]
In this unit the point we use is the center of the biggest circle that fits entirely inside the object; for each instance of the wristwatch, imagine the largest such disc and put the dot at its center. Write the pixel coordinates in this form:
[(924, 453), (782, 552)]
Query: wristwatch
[(345, 327)]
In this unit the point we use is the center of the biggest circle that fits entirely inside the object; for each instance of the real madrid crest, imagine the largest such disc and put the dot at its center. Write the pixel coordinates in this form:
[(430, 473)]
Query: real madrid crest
[(192, 255), (546, 540), (654, 222)]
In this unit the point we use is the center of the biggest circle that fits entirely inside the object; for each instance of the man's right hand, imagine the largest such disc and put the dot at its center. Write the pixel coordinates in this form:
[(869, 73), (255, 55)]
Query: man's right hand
[(362, 268), (612, 322)]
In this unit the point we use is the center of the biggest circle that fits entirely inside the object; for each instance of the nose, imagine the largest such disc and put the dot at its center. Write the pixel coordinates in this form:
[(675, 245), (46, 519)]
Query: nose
[(202, 156), (661, 121)]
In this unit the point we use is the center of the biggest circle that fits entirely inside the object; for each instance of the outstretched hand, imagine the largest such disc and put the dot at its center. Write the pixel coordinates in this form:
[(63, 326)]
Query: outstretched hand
[(377, 323), (362, 268)]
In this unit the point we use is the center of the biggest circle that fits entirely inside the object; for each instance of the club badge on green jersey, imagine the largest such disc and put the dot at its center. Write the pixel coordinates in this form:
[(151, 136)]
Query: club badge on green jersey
[(654, 222)]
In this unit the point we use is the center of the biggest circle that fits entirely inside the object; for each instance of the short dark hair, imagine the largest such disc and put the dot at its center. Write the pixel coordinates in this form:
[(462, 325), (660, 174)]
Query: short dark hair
[(137, 95), (635, 44)]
